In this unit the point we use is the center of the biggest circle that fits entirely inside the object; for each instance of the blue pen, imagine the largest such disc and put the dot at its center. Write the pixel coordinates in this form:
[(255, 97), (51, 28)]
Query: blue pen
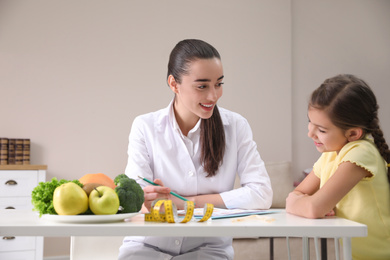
[(155, 184)]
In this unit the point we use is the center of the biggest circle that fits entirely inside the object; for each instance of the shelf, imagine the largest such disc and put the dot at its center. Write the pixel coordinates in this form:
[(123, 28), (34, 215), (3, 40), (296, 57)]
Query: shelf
[(23, 167)]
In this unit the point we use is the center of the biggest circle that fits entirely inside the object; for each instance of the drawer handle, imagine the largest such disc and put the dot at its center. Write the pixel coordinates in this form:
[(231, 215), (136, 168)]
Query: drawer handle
[(8, 238), (10, 207), (11, 182)]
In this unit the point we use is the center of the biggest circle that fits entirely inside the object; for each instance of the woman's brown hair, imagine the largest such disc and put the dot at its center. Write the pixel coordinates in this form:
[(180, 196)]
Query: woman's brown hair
[(212, 135), (350, 102)]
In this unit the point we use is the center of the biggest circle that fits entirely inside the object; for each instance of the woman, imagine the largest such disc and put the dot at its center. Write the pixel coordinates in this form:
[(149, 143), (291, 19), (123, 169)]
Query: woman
[(195, 149)]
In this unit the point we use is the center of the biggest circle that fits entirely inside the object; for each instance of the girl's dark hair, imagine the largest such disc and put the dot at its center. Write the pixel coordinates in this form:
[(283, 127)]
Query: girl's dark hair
[(350, 102), (212, 134)]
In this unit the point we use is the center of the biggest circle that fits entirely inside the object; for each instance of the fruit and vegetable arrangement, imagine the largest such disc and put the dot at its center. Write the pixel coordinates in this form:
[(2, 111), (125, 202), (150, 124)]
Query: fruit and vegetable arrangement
[(92, 194)]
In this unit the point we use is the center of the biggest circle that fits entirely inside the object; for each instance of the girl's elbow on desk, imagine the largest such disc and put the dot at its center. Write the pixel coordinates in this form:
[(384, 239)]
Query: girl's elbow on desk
[(303, 205)]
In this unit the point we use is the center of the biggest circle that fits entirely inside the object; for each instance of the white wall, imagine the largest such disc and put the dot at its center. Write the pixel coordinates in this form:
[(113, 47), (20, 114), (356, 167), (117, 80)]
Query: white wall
[(74, 74)]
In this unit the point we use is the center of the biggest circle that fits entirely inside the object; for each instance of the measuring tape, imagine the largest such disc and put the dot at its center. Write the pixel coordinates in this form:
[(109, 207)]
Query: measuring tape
[(170, 215)]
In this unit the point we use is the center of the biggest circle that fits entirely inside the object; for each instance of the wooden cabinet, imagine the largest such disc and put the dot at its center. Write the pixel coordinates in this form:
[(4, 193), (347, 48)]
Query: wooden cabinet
[(16, 185)]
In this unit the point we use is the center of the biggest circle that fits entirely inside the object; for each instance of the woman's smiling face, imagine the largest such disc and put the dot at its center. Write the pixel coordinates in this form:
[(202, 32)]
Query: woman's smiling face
[(326, 136), (199, 89)]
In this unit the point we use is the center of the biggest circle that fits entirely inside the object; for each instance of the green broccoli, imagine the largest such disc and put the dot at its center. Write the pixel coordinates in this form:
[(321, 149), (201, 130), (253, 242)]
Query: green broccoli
[(130, 193)]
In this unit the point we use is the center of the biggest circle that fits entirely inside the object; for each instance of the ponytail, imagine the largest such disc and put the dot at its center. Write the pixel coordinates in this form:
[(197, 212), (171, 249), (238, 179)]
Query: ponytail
[(381, 144), (212, 139)]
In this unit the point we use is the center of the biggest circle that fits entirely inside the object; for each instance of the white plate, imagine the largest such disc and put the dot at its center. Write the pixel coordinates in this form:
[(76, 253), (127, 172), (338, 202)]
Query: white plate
[(89, 218)]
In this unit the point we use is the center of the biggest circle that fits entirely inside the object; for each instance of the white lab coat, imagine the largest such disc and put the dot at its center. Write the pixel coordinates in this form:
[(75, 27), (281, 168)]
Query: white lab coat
[(157, 149)]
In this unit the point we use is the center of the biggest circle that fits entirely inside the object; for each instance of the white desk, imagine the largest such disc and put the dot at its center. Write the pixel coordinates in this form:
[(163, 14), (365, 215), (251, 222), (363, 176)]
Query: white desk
[(27, 223)]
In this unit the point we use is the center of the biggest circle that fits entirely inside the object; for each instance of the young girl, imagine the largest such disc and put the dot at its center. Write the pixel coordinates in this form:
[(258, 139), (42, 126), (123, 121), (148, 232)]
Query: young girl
[(351, 178), (195, 149)]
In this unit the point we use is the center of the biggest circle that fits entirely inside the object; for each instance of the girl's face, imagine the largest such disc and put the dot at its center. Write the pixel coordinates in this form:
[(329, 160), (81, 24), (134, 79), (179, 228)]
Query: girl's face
[(326, 136), (199, 90)]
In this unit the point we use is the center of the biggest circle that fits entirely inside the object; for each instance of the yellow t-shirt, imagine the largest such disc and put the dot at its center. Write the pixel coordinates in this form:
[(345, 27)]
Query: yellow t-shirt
[(368, 202)]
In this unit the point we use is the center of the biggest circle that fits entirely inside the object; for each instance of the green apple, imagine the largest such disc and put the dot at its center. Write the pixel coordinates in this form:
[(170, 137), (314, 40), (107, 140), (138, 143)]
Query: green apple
[(70, 199), (103, 200)]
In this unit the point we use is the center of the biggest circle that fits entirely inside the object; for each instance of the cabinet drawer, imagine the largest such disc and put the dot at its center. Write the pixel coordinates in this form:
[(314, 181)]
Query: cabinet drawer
[(9, 243), (16, 203), (18, 255), (17, 183)]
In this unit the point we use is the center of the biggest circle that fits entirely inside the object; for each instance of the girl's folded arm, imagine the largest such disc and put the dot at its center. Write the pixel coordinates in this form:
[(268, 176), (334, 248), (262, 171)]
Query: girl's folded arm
[(306, 202)]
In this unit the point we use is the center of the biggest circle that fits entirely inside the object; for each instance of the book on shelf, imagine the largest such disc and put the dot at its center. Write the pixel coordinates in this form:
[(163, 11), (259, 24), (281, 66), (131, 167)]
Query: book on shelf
[(19, 151), (11, 150), (26, 151), (3, 151)]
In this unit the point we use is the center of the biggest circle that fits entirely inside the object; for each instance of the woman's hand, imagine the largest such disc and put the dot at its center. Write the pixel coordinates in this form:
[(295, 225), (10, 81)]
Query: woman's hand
[(152, 193)]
